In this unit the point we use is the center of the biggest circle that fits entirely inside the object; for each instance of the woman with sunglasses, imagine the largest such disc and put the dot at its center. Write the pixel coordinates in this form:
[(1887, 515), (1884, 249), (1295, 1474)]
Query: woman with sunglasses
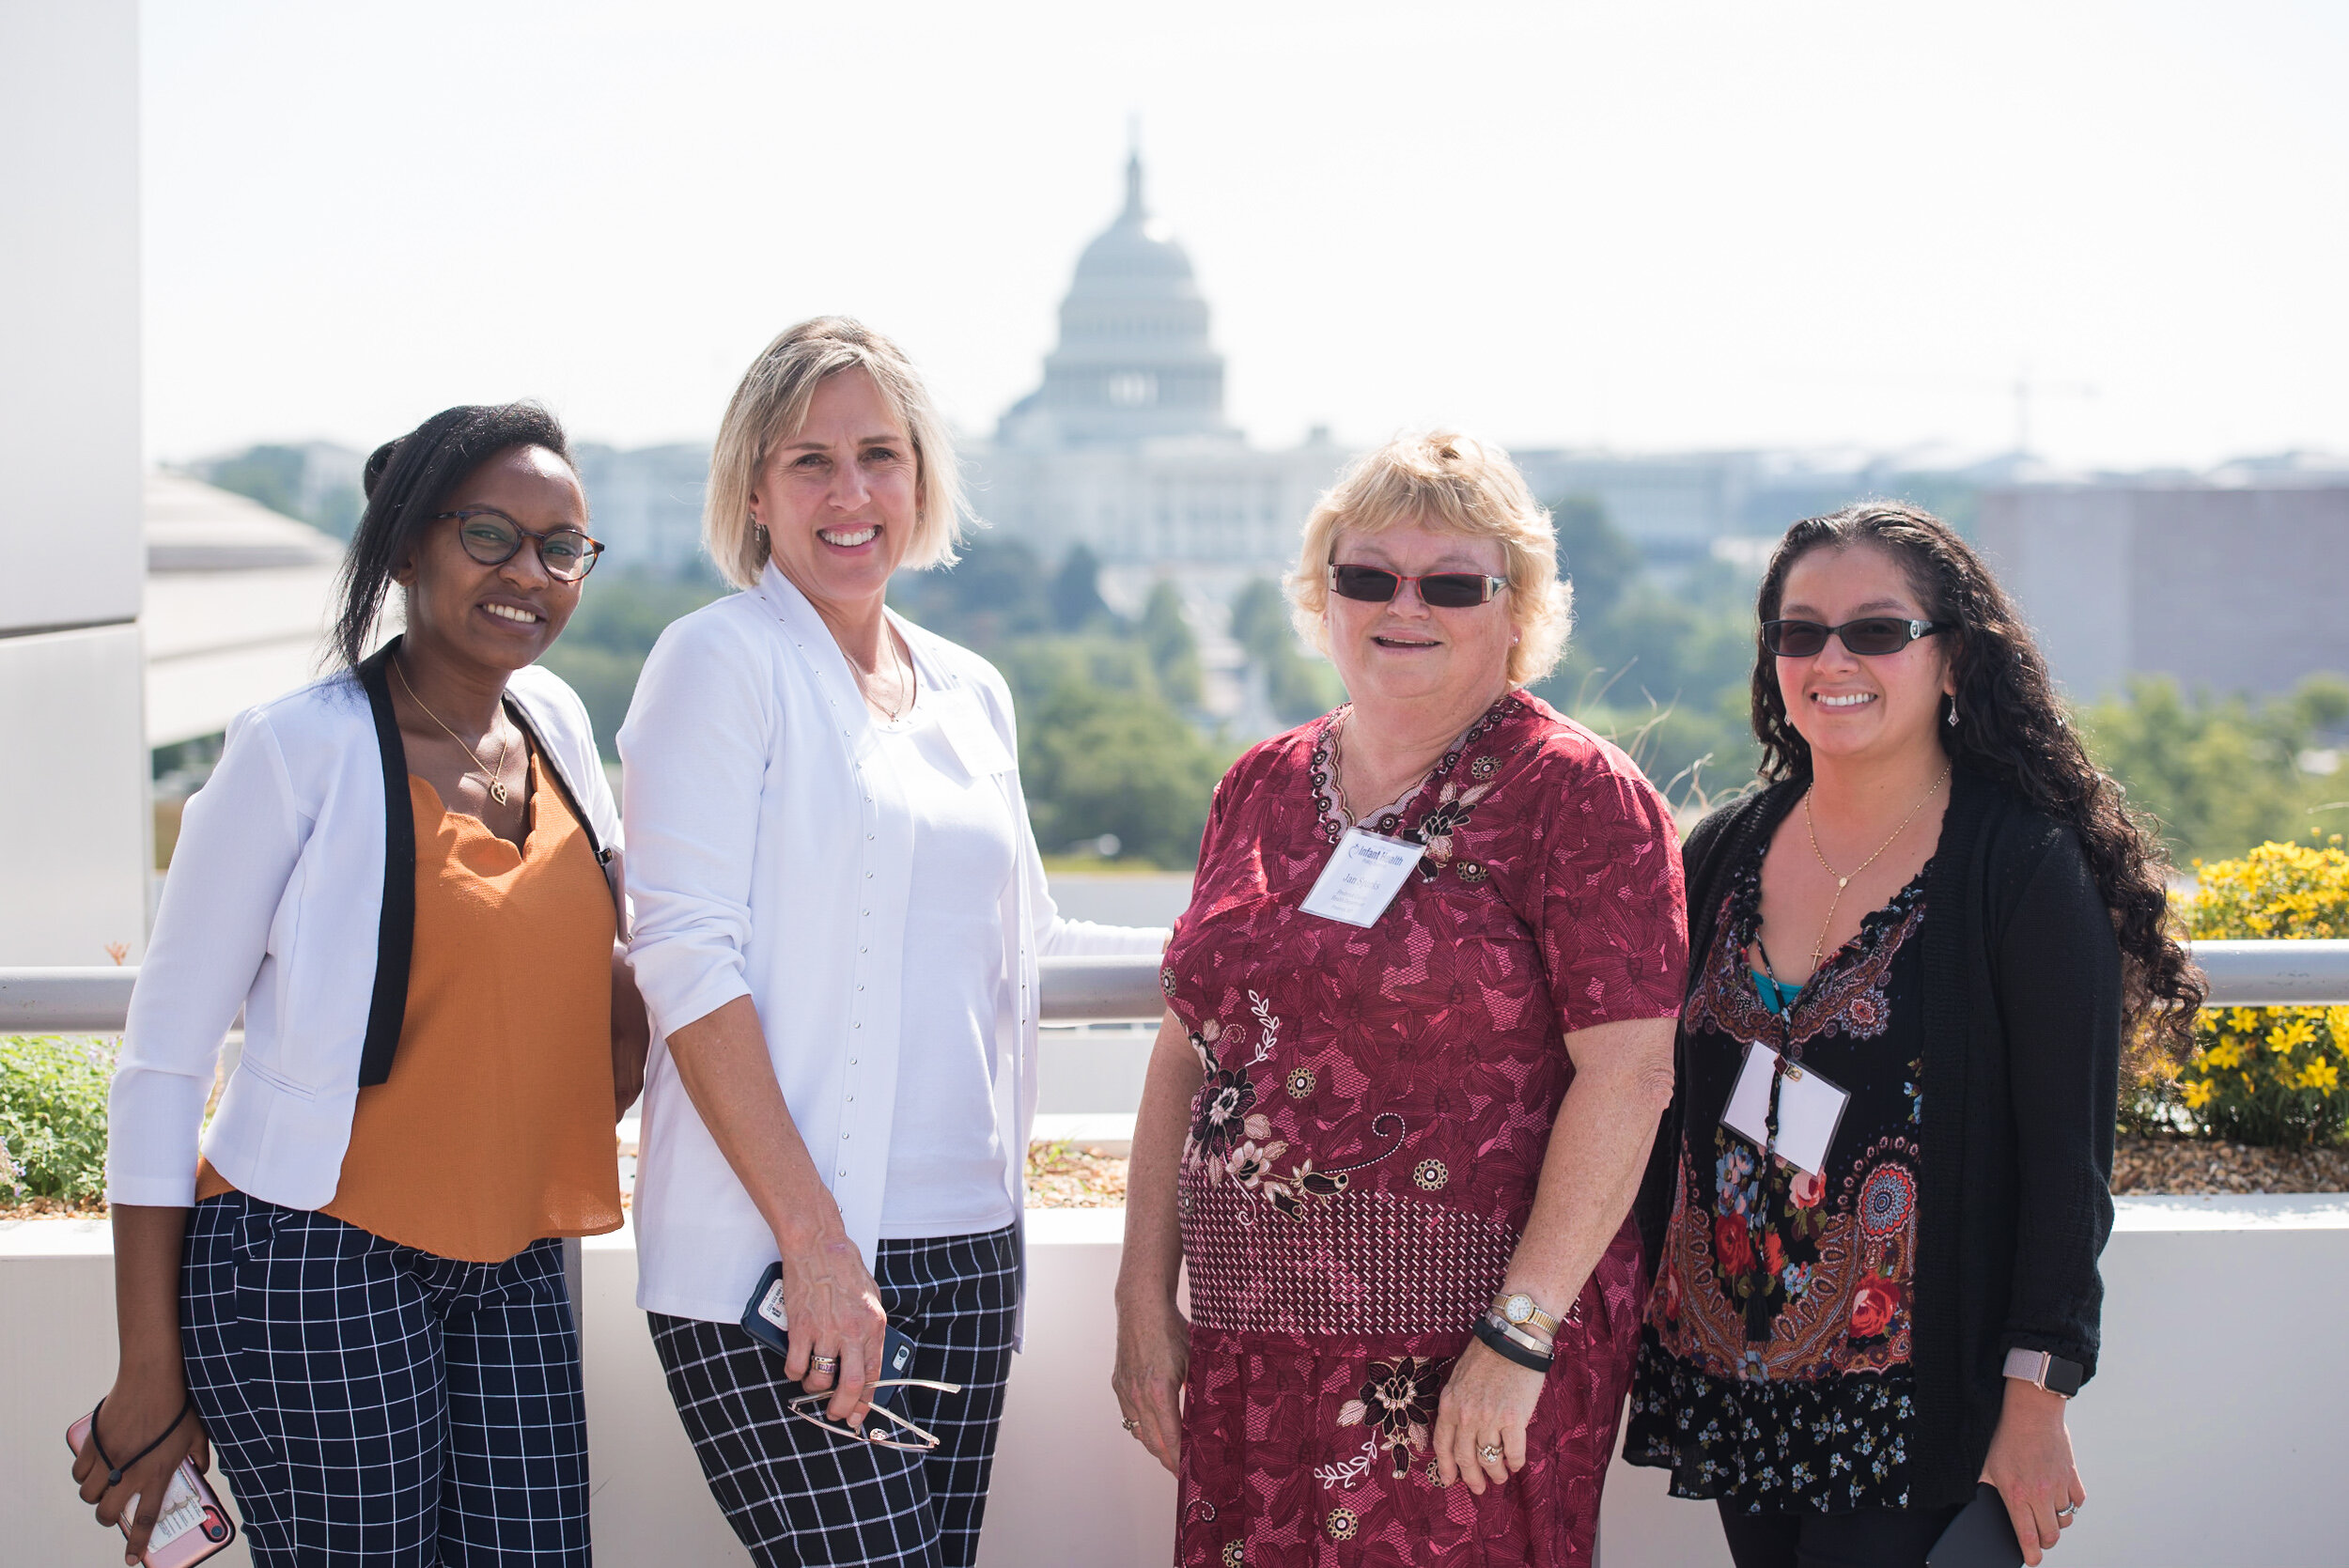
[(1419, 1032), (404, 874), (1914, 957), (840, 906)]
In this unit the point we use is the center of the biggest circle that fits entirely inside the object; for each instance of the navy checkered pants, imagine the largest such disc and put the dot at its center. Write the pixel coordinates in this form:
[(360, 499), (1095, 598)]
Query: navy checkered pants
[(373, 1404), (801, 1497)]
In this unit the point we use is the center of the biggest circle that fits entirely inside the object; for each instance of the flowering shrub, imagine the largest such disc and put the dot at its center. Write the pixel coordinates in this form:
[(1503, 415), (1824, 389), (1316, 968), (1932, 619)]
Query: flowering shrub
[(2269, 1074)]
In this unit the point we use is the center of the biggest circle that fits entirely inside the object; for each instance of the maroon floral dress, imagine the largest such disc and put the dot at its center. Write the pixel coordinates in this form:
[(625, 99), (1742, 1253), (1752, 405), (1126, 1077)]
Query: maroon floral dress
[(1365, 1151)]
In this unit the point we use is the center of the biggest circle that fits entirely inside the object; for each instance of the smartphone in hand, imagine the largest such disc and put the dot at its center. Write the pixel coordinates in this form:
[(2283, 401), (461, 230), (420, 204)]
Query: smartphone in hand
[(192, 1524)]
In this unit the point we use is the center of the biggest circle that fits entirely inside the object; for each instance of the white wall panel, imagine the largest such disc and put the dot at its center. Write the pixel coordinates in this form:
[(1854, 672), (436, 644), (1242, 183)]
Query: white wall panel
[(68, 313), (75, 833)]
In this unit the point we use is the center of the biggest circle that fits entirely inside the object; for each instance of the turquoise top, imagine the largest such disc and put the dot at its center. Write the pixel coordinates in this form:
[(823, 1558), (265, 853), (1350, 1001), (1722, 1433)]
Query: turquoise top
[(1775, 997)]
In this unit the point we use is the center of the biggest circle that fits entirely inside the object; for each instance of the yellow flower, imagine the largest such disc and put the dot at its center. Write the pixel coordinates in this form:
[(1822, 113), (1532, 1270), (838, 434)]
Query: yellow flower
[(2199, 1094), (2293, 1033), (2222, 1054), (2320, 1075)]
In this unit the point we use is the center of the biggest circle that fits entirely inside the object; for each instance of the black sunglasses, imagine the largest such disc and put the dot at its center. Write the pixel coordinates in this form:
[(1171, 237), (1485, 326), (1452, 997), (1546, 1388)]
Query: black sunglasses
[(1868, 636), (1440, 590), (493, 538)]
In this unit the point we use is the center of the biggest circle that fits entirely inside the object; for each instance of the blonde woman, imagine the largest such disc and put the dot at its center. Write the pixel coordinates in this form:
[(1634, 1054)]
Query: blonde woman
[(1418, 1036), (839, 911)]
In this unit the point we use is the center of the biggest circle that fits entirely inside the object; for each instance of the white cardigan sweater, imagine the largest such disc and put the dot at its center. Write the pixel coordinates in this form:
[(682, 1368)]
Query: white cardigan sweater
[(276, 904), (769, 855)]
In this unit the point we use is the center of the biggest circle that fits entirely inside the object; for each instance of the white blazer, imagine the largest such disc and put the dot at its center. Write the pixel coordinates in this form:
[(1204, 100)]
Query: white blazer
[(276, 904), (770, 853)]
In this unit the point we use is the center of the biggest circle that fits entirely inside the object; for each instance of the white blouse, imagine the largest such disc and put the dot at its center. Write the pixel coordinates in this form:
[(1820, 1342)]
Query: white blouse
[(771, 855), (946, 1142)]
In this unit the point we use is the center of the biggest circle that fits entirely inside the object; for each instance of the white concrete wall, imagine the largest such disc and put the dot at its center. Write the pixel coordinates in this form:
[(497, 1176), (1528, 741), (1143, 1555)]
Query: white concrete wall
[(2212, 1437), (73, 840)]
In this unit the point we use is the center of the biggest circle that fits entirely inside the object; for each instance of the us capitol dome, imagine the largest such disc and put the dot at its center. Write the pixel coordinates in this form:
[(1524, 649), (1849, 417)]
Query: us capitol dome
[(1133, 360), (1124, 447)]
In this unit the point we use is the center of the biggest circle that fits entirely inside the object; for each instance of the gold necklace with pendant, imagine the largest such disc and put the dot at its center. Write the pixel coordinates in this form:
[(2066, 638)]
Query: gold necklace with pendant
[(1819, 949), (505, 749)]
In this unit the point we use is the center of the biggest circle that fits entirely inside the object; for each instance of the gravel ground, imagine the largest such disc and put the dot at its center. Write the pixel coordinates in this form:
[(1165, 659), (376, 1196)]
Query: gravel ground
[(2189, 1165), (1062, 1177)]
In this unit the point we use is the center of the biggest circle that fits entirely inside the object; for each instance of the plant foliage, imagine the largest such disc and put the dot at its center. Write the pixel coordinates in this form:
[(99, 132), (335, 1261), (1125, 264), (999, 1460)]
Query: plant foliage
[(53, 1116)]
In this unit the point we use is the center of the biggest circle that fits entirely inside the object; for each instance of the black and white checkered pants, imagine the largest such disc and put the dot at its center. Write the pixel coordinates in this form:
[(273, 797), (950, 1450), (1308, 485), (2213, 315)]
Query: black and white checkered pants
[(373, 1404), (801, 1497)]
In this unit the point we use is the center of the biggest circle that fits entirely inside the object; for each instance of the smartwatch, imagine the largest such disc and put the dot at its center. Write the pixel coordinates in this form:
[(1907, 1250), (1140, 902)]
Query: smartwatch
[(2044, 1371)]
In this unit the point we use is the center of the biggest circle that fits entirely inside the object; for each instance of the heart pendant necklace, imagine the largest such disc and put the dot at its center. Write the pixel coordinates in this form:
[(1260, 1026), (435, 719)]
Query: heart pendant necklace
[(496, 776)]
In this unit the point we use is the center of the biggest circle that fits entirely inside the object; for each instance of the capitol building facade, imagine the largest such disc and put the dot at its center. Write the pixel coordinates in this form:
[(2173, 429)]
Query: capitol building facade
[(1125, 449)]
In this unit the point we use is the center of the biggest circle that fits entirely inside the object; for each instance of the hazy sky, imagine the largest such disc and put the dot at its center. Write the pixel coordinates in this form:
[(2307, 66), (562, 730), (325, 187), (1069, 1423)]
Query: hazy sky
[(1672, 224)]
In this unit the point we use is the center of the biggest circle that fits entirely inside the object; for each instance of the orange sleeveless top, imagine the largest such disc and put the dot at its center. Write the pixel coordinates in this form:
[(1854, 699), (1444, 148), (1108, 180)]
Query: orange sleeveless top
[(494, 1127)]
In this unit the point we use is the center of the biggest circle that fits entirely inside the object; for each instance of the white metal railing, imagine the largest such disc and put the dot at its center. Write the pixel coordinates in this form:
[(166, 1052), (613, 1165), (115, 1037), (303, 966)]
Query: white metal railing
[(1126, 990)]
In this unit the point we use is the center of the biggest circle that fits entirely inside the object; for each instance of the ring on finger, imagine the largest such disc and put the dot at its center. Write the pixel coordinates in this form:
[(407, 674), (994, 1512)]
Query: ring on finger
[(1131, 1424), (1489, 1453), (823, 1363)]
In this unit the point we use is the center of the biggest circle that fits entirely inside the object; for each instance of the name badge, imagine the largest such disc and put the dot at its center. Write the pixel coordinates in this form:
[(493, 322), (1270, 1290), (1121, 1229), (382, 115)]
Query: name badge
[(965, 725), (1809, 1109), (1363, 877)]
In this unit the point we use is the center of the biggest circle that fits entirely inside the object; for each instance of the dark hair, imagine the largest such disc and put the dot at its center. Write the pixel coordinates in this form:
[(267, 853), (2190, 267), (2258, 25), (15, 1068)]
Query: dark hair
[(2012, 728), (408, 481)]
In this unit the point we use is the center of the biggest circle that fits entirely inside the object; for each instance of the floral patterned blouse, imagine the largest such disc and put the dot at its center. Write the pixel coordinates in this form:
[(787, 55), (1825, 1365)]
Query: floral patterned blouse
[(1774, 1369), (1364, 1149)]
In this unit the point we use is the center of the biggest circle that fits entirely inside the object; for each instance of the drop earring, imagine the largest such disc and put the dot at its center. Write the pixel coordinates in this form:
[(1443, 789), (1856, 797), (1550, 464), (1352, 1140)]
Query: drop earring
[(1953, 713)]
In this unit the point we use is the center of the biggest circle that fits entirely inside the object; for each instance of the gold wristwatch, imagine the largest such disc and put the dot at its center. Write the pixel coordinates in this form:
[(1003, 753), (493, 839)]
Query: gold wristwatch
[(1518, 1310)]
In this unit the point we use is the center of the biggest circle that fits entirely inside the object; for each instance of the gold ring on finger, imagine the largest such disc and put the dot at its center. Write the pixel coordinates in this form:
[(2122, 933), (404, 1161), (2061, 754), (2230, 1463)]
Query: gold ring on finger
[(1489, 1453)]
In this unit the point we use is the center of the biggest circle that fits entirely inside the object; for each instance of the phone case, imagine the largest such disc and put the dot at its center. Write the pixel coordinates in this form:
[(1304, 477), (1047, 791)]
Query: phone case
[(762, 1319), (192, 1524), (1981, 1535)]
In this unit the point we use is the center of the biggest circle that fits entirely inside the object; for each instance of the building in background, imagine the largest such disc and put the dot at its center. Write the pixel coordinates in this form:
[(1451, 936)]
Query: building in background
[(1125, 448), (2232, 582), (74, 805), (237, 601)]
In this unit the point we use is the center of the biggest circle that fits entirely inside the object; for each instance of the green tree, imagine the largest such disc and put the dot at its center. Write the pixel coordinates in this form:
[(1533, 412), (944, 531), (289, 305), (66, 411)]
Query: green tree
[(1299, 687), (995, 591), (1593, 555), (1094, 760), (268, 474), (2222, 775), (1076, 593), (601, 652), (1174, 651)]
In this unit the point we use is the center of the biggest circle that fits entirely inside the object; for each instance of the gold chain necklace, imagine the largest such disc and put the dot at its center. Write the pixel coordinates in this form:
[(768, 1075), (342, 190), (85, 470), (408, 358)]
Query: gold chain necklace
[(896, 658), (497, 783), (1819, 949)]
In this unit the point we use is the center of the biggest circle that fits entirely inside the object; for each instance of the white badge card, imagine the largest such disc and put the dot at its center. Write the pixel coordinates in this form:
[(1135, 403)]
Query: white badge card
[(1809, 1109), (1363, 877), (976, 745)]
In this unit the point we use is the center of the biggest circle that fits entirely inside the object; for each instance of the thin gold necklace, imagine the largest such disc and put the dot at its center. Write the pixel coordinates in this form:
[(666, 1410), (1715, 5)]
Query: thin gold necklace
[(896, 658), (1819, 949), (497, 783)]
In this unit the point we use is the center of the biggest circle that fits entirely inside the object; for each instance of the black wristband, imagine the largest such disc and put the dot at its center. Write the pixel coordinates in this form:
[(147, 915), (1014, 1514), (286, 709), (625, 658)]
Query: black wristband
[(1498, 1341), (114, 1472)]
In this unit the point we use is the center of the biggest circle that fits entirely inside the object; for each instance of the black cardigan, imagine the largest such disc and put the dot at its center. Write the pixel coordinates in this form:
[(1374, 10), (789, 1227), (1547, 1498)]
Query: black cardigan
[(2022, 1012)]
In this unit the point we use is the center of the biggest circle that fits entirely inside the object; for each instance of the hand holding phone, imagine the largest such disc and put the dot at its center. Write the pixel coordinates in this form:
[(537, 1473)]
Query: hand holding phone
[(191, 1526)]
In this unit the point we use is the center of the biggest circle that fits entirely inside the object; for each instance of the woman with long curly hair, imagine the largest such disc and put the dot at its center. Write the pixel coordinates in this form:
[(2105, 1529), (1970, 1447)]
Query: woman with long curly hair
[(1915, 959)]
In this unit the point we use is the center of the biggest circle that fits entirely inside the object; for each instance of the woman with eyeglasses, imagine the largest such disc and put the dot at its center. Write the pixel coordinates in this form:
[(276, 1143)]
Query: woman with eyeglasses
[(839, 912), (1916, 957), (405, 878), (1419, 1034)]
